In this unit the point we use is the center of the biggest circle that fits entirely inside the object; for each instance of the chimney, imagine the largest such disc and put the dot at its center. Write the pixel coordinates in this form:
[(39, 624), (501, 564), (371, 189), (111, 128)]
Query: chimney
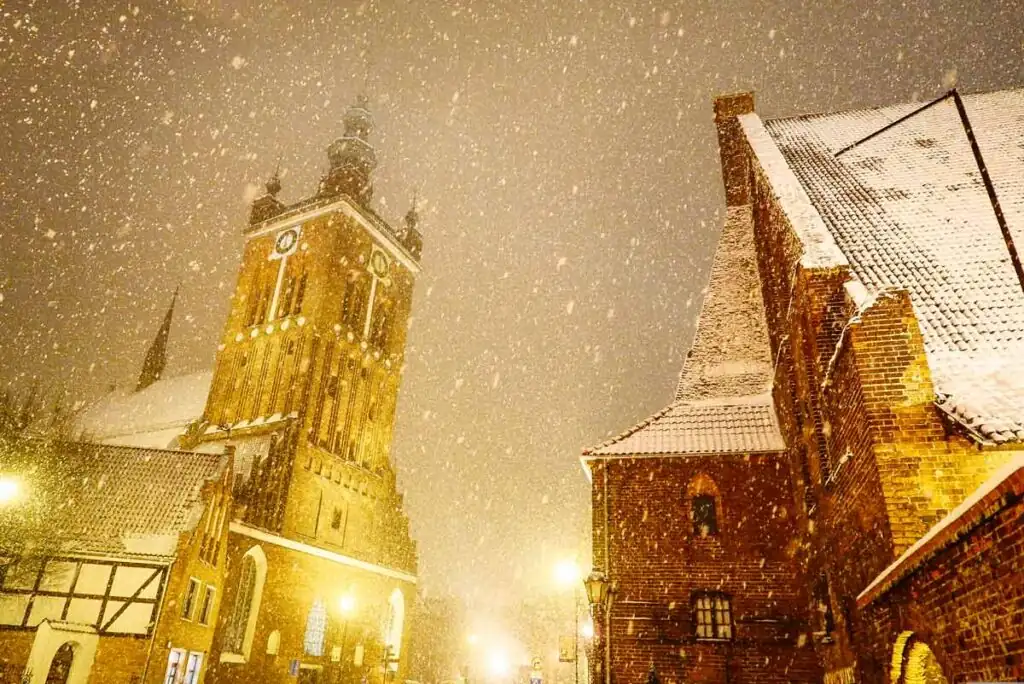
[(735, 163)]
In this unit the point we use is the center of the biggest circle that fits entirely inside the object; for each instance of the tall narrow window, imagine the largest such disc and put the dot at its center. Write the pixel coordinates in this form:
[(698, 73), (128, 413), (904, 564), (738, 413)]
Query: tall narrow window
[(188, 601), (316, 629), (705, 522), (241, 625), (206, 608), (712, 616)]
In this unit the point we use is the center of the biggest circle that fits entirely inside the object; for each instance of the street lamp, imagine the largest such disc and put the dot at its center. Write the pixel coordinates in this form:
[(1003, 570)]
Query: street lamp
[(599, 594), (10, 490), (567, 574), (347, 608)]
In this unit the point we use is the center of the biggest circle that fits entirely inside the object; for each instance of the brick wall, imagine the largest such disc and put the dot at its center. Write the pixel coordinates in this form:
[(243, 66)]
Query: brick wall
[(658, 562), (871, 456), (966, 603)]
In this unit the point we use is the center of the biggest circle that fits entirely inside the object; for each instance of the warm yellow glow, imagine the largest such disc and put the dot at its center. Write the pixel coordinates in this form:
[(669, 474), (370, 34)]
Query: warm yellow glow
[(10, 490), (473, 639), (567, 573), (587, 629), (347, 604), (499, 664)]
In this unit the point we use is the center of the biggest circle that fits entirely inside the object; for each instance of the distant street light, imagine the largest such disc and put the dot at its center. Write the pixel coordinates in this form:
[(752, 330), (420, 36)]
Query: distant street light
[(567, 574), (10, 490), (587, 629), (347, 608), (473, 639)]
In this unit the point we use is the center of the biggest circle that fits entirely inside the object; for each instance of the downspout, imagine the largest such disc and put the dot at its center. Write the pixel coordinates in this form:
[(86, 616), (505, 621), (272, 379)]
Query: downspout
[(608, 577)]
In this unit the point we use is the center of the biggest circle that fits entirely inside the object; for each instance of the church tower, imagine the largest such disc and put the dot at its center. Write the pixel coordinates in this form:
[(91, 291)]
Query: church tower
[(306, 383)]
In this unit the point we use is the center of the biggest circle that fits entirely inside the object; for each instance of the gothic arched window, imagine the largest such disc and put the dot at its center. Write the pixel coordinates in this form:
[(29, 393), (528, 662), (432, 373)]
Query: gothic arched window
[(248, 592), (316, 629), (395, 625)]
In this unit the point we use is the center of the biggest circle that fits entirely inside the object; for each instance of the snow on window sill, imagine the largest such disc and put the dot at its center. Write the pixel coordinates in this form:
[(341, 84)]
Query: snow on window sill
[(232, 658)]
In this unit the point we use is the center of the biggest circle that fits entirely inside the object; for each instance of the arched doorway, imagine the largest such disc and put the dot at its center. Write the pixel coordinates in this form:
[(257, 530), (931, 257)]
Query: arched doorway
[(60, 666), (914, 663)]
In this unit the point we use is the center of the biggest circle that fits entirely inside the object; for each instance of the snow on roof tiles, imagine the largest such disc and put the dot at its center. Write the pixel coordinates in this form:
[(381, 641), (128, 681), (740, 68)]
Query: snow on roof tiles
[(702, 428), (909, 211), (723, 402), (131, 501)]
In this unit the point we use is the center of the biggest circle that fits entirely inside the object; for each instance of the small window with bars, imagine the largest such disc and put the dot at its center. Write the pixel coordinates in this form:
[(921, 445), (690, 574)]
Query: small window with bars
[(713, 616)]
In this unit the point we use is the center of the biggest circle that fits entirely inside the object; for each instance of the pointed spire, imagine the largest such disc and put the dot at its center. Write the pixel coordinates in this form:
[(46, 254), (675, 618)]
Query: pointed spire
[(274, 184), (156, 355), (412, 217)]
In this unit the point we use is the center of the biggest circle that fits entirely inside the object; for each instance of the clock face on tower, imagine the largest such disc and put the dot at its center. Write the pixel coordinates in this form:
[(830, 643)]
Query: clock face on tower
[(379, 264), (286, 242)]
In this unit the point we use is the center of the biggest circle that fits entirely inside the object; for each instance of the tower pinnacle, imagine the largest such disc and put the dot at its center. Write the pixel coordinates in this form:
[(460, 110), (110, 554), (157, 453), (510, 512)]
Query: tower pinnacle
[(351, 156)]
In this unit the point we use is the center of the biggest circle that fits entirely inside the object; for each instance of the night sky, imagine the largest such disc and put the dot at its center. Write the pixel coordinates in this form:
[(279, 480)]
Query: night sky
[(565, 157)]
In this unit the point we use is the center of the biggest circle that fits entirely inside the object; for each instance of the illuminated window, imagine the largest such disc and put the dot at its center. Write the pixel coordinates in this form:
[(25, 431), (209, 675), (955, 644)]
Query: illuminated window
[(195, 664), (713, 616), (249, 591), (174, 660), (316, 629)]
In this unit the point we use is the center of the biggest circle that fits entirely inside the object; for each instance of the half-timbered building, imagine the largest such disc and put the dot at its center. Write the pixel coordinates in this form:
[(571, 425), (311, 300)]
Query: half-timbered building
[(129, 587)]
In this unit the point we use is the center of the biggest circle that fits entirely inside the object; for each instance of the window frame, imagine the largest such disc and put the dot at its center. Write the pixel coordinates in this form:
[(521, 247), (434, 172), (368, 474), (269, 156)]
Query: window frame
[(188, 600), (709, 616), (698, 526), (206, 605)]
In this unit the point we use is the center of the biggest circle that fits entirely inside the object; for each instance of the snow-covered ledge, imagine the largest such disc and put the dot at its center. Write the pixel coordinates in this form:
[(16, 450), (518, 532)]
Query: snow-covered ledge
[(958, 523), (819, 247)]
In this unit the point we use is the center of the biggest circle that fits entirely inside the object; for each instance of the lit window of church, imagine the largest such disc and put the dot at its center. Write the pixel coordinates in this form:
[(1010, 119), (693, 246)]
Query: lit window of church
[(316, 629)]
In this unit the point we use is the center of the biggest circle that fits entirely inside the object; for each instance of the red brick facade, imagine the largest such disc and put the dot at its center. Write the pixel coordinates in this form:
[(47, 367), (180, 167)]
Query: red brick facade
[(870, 464)]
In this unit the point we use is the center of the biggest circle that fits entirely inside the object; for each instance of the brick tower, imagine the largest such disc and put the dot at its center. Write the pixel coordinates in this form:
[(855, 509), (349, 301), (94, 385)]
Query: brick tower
[(304, 389)]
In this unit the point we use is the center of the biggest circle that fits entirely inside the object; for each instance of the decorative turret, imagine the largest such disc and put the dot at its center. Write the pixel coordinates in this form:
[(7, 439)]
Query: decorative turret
[(267, 206), (352, 157), (413, 239)]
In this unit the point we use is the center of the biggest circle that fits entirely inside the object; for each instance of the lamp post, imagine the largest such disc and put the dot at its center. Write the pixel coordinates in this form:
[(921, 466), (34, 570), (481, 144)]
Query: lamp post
[(599, 594), (347, 608), (567, 573)]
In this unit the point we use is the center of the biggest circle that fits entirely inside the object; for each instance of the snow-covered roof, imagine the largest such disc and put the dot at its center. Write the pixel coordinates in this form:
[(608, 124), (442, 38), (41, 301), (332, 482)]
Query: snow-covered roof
[(723, 401), (130, 501), (747, 425), (1007, 481), (153, 417), (909, 211)]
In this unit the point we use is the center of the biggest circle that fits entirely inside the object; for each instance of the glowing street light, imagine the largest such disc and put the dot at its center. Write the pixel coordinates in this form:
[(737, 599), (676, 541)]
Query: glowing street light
[(567, 573), (347, 605), (473, 639), (499, 664), (587, 629), (10, 490)]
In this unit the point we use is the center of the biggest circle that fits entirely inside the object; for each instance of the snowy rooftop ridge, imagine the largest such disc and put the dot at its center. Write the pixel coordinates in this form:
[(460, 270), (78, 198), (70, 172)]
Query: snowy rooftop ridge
[(159, 412), (743, 425), (909, 211)]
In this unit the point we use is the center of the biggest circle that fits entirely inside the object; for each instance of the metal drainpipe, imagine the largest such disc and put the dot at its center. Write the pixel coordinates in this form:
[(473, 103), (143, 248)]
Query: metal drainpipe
[(608, 578)]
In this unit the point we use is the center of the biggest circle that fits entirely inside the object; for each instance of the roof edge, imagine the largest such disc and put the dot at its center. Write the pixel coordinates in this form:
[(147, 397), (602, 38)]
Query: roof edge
[(820, 249), (971, 513)]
